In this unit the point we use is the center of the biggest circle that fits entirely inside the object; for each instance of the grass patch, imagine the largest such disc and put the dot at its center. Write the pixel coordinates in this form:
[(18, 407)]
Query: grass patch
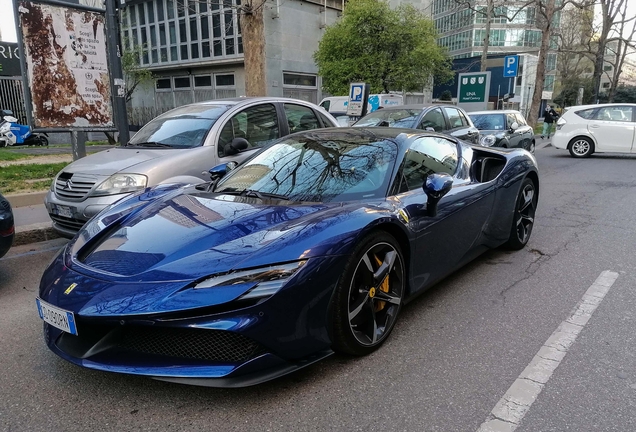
[(28, 178), (9, 155)]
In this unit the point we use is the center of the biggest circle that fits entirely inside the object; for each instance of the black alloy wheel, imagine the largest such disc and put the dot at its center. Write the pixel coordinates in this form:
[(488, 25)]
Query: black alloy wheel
[(523, 219), (368, 298)]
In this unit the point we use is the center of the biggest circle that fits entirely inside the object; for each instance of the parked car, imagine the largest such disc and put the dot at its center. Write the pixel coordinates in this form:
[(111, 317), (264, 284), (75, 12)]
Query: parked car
[(310, 247), (178, 146), (588, 129), (7, 226), (507, 129), (446, 119)]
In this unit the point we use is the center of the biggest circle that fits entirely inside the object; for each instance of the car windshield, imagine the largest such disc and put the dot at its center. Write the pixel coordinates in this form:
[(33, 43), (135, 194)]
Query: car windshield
[(403, 118), (183, 127), (317, 168), (488, 121)]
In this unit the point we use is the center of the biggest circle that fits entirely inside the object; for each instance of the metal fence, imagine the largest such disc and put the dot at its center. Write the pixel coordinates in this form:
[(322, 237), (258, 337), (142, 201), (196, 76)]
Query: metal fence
[(12, 97)]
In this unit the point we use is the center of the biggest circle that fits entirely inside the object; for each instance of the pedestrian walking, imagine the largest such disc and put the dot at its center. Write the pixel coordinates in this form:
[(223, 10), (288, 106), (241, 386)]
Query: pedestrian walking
[(549, 117)]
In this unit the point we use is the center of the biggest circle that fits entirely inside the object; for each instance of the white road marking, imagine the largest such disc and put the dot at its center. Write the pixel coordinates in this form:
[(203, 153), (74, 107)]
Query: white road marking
[(506, 416)]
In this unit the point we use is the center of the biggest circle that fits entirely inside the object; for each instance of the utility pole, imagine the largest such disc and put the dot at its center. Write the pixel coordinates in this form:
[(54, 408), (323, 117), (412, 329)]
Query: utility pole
[(116, 74)]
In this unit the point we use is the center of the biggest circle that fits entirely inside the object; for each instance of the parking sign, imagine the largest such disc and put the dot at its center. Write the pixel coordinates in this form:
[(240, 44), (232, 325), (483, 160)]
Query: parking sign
[(358, 94), (511, 66)]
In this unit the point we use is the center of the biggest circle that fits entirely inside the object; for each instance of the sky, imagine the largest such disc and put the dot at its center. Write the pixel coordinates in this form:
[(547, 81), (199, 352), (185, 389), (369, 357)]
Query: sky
[(7, 25)]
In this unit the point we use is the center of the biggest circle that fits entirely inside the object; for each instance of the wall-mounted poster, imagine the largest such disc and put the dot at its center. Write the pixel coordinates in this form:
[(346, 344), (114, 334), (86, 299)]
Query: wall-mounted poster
[(66, 66)]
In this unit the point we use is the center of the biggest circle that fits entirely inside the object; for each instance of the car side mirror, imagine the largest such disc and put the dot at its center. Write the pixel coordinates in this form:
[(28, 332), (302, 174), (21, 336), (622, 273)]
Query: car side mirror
[(221, 170), (435, 187), (514, 126), (237, 145)]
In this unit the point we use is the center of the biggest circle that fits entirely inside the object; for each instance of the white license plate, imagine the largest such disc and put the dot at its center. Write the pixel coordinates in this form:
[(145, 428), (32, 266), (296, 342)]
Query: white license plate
[(60, 318), (62, 210)]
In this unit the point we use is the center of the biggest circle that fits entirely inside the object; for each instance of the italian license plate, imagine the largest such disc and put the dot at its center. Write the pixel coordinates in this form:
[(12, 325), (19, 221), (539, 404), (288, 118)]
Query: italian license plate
[(59, 318), (62, 210)]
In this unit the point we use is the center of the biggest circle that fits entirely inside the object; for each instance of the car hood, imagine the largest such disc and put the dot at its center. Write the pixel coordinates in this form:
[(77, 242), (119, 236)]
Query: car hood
[(114, 160), (149, 260)]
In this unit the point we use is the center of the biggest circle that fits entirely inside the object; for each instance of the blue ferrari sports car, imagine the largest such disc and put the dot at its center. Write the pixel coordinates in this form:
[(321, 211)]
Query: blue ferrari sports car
[(310, 247)]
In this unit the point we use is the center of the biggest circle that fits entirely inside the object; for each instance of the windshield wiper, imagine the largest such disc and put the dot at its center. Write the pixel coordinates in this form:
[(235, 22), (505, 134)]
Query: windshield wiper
[(255, 194), (149, 144)]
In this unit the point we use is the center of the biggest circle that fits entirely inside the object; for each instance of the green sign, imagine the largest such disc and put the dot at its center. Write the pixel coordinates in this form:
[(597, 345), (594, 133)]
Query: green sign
[(472, 87)]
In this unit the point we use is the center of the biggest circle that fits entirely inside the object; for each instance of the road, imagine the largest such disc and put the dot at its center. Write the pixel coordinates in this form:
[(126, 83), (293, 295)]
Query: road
[(456, 350)]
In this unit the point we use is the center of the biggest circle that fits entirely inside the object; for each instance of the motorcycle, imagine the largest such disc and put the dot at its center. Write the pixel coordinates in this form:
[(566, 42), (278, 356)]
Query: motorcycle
[(12, 133)]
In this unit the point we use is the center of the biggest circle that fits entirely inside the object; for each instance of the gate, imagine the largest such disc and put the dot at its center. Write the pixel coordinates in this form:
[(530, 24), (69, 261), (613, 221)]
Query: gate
[(12, 97)]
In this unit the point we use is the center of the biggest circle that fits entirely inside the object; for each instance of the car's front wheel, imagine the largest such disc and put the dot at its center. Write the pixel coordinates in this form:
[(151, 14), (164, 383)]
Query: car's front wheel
[(369, 295), (581, 147), (523, 219)]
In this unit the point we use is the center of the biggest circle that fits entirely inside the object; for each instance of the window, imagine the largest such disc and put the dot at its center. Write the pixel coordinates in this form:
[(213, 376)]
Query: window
[(511, 119), (163, 84), (300, 118), (426, 156), (614, 113), (182, 82), (258, 125), (203, 81), (520, 119), (224, 80), (300, 80), (586, 114), (606, 85), (454, 119), (607, 68), (433, 119)]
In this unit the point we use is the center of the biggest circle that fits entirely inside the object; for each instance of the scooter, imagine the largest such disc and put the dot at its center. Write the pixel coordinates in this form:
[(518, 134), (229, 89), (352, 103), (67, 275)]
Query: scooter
[(12, 133)]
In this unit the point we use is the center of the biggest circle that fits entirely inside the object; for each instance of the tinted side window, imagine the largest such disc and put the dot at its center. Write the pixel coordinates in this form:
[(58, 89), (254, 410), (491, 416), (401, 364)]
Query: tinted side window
[(465, 121), (433, 119), (520, 120), (258, 125), (614, 113), (510, 118), (325, 121), (454, 118), (300, 118), (586, 114), (428, 155)]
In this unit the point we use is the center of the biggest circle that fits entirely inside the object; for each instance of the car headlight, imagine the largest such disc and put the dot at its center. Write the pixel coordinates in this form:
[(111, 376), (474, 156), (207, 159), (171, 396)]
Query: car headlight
[(488, 140), (121, 183), (266, 280)]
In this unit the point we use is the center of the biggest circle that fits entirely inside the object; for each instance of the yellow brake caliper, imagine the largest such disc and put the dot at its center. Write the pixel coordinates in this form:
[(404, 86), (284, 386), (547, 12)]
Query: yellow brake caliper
[(384, 286)]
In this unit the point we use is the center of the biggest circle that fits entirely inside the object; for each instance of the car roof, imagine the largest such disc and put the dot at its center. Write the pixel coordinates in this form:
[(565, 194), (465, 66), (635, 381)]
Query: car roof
[(581, 107), (248, 99), (495, 112), (416, 106)]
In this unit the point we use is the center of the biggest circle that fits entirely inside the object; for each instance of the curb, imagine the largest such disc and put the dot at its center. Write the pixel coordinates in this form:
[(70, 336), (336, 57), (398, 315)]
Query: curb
[(34, 233), (26, 199)]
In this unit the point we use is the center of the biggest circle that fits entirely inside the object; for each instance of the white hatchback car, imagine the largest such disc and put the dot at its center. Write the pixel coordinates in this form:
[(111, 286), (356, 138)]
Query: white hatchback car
[(587, 129)]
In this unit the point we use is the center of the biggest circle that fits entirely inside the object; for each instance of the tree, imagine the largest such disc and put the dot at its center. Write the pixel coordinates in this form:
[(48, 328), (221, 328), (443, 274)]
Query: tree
[(390, 49)]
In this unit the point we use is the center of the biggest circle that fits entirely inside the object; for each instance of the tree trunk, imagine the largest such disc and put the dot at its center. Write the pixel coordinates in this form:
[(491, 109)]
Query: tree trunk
[(254, 48), (546, 30), (484, 53)]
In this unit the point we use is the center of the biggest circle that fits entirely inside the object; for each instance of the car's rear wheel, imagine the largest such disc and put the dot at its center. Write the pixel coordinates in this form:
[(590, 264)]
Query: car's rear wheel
[(523, 219), (369, 296), (581, 147), (531, 147)]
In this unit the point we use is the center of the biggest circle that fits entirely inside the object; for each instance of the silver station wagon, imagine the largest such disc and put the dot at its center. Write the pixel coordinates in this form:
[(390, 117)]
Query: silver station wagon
[(179, 146)]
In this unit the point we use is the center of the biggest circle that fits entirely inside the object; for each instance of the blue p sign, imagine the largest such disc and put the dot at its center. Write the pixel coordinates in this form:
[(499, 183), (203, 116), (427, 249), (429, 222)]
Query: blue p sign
[(357, 93), (511, 66)]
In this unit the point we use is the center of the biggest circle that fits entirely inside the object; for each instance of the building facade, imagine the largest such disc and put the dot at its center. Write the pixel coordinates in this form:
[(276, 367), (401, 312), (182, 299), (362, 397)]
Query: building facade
[(195, 49)]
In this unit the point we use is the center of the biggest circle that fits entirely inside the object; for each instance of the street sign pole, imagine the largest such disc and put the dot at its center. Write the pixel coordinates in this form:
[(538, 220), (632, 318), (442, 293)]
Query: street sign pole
[(116, 74)]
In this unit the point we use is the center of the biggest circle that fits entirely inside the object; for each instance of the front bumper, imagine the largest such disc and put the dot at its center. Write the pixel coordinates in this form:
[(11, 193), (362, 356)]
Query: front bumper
[(80, 211)]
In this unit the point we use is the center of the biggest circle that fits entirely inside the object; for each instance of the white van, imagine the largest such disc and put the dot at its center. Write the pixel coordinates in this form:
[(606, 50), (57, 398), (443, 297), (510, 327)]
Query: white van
[(337, 105)]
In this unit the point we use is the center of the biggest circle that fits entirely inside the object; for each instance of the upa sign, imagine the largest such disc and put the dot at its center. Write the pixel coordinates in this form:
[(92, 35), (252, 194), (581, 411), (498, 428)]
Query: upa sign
[(358, 99), (473, 90)]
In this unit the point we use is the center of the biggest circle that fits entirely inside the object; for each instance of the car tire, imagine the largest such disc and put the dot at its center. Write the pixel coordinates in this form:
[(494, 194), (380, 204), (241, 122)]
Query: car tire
[(368, 297), (581, 147), (44, 141), (531, 147), (523, 217)]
